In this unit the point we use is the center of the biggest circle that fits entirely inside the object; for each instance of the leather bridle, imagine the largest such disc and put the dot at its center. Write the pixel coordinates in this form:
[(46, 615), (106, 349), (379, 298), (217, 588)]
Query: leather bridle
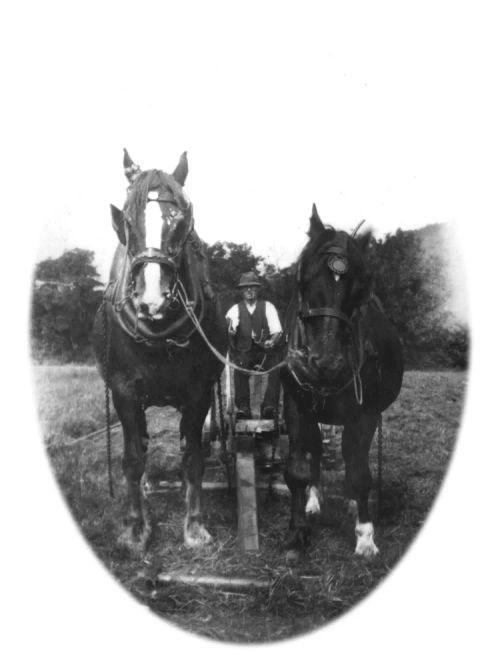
[(338, 264), (152, 256), (119, 293), (157, 255)]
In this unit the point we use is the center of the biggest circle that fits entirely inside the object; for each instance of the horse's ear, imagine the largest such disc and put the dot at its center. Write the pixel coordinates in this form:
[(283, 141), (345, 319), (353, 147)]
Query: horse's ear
[(118, 223), (131, 169), (316, 225), (181, 171), (364, 240)]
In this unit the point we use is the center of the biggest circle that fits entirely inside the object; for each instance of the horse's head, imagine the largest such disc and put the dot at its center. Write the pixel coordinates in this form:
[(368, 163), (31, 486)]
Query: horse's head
[(331, 283), (154, 225)]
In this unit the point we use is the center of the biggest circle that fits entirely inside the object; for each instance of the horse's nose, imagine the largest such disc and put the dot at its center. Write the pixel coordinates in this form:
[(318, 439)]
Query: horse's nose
[(325, 364), (147, 309), (153, 308)]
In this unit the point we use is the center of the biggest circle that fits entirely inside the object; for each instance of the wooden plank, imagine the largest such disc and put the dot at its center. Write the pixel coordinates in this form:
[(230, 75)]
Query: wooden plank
[(255, 425), (165, 486), (248, 532)]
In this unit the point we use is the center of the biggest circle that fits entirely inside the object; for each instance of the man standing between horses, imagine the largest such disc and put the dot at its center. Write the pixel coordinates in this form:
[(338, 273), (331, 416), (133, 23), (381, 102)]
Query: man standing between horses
[(254, 330)]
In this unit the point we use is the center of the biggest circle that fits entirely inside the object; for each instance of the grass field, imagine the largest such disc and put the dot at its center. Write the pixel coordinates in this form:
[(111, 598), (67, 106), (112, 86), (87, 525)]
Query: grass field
[(419, 434), (70, 402)]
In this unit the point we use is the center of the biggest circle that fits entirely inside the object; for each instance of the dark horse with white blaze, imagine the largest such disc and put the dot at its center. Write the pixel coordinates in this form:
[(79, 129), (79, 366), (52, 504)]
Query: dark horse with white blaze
[(344, 367), (148, 349)]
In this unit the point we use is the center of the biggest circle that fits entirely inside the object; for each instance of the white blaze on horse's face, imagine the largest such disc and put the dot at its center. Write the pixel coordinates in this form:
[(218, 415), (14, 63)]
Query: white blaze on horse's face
[(153, 222), (153, 297)]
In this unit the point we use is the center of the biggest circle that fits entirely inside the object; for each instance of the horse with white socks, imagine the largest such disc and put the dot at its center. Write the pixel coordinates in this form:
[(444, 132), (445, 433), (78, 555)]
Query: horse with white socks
[(344, 366)]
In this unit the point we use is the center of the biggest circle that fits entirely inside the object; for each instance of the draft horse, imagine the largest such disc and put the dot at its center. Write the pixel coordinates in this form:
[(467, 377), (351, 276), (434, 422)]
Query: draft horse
[(344, 366), (147, 348)]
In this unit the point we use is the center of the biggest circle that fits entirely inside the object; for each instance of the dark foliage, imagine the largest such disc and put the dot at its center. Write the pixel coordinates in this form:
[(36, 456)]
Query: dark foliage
[(65, 298), (410, 277), (228, 261)]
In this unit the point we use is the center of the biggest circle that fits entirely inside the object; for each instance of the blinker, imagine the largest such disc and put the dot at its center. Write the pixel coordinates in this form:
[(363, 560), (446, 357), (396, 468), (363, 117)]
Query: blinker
[(338, 264)]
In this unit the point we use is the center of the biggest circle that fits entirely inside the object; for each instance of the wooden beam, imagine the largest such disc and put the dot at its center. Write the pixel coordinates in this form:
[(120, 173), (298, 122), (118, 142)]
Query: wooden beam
[(228, 583), (248, 532)]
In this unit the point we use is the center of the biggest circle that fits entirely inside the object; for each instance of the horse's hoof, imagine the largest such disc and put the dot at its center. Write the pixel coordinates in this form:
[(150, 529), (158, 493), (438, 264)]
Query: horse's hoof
[(365, 544), (196, 535), (297, 541), (134, 538), (313, 505)]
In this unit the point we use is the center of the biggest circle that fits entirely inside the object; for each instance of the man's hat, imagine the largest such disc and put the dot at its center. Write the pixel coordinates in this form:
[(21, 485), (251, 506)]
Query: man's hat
[(249, 280)]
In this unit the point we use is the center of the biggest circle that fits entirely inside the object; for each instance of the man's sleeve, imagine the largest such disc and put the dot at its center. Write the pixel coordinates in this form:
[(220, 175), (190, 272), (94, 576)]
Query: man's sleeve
[(233, 314), (273, 320)]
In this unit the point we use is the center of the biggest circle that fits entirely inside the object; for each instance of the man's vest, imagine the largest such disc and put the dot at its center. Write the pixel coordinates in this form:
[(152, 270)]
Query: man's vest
[(255, 323)]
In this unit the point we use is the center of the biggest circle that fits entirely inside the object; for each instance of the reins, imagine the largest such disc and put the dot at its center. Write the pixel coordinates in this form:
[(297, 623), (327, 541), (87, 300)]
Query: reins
[(379, 466), (192, 316), (106, 396)]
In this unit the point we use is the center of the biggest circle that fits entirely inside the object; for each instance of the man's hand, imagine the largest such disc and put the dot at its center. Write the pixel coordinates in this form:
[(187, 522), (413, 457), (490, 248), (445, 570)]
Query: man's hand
[(271, 341)]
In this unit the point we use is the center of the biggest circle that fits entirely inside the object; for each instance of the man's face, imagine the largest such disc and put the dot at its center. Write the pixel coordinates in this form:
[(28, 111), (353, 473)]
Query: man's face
[(250, 294)]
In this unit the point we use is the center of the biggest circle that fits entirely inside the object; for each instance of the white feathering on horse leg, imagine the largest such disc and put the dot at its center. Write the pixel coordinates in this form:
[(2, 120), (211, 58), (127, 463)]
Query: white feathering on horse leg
[(365, 544), (196, 535), (313, 505)]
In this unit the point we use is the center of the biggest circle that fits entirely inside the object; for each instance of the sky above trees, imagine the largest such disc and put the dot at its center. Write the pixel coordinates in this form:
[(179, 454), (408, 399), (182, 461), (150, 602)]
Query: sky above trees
[(277, 106)]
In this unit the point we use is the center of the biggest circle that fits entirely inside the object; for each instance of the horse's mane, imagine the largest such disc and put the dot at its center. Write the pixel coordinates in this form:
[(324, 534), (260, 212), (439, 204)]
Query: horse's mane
[(146, 181)]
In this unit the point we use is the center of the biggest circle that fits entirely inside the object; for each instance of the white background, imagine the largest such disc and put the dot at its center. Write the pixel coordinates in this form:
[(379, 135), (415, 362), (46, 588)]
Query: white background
[(385, 111)]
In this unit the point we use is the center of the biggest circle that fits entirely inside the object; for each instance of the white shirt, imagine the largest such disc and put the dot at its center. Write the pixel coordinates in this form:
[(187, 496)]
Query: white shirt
[(273, 320)]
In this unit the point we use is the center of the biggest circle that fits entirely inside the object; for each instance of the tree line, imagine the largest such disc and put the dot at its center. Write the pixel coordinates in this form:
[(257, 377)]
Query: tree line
[(412, 285)]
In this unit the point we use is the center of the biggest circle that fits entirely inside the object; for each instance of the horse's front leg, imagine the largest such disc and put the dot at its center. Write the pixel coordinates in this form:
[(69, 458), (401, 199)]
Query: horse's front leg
[(356, 441), (193, 416), (137, 528), (301, 474)]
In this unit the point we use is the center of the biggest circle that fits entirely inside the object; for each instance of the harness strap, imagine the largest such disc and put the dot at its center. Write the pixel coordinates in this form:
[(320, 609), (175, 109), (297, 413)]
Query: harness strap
[(326, 311), (336, 313), (152, 256)]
